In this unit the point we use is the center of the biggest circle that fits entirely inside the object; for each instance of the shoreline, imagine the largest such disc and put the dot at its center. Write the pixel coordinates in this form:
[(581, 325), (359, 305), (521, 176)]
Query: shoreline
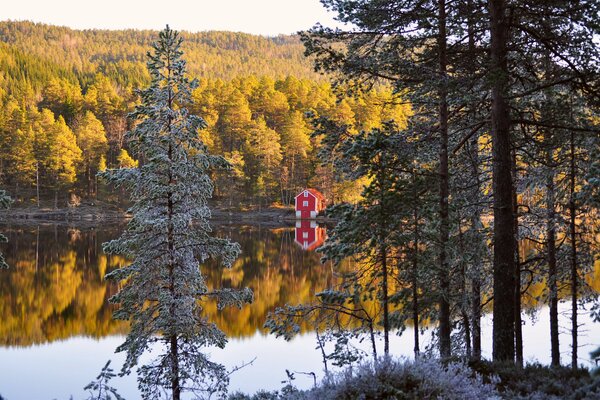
[(99, 214)]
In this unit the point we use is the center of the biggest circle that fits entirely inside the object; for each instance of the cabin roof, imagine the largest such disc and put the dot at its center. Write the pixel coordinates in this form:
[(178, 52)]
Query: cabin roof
[(314, 192)]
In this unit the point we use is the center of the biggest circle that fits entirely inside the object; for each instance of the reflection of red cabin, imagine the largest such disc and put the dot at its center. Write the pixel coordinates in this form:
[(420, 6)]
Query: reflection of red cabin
[(308, 203), (309, 235)]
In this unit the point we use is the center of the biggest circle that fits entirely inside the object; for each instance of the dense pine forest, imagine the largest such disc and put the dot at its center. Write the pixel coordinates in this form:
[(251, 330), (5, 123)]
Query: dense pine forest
[(457, 145), (65, 96)]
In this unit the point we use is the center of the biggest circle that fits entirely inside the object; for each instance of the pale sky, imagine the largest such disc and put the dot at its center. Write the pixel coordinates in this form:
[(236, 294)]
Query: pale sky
[(265, 17)]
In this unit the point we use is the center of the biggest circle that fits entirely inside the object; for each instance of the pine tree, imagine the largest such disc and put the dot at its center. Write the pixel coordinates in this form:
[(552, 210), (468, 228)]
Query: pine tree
[(91, 138), (163, 288), (57, 152), (125, 160)]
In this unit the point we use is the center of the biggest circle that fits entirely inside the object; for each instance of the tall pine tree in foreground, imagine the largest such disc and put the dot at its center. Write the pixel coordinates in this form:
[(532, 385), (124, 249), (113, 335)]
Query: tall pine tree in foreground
[(163, 288)]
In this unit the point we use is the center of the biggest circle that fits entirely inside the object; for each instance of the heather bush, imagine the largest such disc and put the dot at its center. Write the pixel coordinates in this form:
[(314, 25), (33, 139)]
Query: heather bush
[(538, 382), (392, 379)]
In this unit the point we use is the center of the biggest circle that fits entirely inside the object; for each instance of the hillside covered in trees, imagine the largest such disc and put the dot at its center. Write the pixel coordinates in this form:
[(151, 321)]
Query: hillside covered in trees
[(65, 95), (463, 171)]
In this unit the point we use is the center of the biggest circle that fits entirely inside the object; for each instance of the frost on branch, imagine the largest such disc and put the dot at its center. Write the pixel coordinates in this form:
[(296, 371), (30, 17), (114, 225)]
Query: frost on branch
[(100, 389)]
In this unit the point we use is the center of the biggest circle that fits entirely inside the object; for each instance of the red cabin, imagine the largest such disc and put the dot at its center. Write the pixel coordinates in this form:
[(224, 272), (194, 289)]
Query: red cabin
[(309, 203), (309, 235)]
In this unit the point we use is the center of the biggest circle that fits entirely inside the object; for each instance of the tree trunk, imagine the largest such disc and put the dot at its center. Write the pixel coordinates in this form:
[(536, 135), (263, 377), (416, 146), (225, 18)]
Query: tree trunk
[(443, 273), (503, 348), (464, 302), (476, 224), (415, 269), (175, 386), (173, 342), (384, 300), (518, 321), (574, 275), (89, 180), (551, 254), (37, 183)]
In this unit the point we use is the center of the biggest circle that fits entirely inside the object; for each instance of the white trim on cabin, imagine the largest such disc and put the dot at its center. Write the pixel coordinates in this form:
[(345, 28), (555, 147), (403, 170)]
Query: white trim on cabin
[(305, 193)]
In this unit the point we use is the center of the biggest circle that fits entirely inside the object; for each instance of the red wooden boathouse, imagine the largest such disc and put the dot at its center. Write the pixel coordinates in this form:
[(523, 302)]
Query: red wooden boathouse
[(309, 203)]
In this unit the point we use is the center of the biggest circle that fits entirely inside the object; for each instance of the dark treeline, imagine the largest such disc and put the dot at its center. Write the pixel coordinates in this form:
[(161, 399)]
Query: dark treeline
[(65, 96)]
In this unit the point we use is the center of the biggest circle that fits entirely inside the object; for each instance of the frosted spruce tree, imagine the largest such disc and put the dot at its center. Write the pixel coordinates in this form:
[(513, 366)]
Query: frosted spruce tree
[(169, 237)]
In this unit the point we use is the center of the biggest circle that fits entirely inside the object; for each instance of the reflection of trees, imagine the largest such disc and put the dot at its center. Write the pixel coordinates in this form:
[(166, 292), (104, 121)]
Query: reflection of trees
[(54, 289), (58, 291), (275, 269)]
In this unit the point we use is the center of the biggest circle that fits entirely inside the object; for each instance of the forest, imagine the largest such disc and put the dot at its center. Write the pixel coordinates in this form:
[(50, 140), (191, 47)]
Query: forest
[(457, 144), (65, 96)]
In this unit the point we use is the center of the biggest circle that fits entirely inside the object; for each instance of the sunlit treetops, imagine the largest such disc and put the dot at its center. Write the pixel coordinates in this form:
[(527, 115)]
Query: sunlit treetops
[(255, 110)]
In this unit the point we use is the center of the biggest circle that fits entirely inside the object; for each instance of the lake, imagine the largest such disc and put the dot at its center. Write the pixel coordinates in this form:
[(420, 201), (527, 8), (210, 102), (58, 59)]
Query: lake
[(56, 330)]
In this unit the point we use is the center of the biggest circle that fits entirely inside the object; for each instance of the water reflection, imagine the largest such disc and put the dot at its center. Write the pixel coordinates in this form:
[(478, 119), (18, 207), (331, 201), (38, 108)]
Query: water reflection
[(308, 234), (55, 291), (55, 287)]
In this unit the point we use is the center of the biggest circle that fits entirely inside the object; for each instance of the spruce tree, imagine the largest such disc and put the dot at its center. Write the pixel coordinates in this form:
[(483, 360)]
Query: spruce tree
[(169, 237)]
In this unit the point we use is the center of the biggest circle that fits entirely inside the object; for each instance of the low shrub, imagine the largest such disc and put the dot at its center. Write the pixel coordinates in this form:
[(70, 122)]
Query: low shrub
[(392, 379), (535, 381)]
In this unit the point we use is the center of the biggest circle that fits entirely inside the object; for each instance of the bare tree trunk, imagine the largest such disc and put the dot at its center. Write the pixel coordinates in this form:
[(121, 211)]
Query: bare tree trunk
[(464, 302), (574, 275), (385, 301), (503, 348), (476, 314), (415, 269), (445, 327), (322, 348), (37, 183), (89, 180), (476, 224), (373, 343), (174, 348), (551, 255), (517, 293)]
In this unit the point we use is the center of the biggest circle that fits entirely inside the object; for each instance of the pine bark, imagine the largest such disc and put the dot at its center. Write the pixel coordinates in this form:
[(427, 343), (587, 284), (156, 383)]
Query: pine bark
[(503, 347), (551, 257), (476, 218), (445, 327), (415, 269), (464, 309), (573, 234), (517, 293), (384, 267), (385, 301)]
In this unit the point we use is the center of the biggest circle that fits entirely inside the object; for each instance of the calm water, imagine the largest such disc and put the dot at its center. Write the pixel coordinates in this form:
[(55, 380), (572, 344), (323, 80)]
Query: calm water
[(56, 330)]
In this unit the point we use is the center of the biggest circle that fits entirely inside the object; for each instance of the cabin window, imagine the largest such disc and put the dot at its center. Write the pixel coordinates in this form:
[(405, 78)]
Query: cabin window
[(305, 193), (305, 203), (304, 235)]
